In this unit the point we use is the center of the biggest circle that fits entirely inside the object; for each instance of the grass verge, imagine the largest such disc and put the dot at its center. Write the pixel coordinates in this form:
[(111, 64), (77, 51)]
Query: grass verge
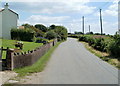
[(104, 56), (38, 66)]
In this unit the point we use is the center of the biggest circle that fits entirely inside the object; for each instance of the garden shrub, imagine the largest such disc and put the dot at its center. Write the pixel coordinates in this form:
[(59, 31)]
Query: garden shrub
[(22, 34), (50, 35), (61, 31), (41, 40)]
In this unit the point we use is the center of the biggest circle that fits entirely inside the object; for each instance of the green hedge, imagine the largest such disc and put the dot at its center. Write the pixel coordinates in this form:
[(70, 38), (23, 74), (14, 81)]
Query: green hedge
[(114, 46), (111, 45), (22, 34)]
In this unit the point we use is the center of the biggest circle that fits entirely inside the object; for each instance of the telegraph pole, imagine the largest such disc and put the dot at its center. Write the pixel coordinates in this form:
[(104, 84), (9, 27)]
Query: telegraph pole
[(89, 28), (101, 22), (83, 24)]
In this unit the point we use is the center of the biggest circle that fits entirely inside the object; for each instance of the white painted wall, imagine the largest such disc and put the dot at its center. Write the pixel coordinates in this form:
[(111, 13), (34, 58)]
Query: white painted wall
[(0, 24), (9, 21)]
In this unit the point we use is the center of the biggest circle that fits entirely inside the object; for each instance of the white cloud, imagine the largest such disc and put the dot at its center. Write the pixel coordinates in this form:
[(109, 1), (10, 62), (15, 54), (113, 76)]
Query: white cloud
[(112, 9), (34, 19), (110, 13), (53, 7)]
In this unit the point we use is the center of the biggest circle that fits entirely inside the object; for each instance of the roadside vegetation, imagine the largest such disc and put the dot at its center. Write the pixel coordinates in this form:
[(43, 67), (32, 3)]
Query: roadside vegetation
[(107, 47)]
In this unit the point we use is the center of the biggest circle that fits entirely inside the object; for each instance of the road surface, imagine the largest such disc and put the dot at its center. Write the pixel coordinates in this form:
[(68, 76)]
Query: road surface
[(71, 63)]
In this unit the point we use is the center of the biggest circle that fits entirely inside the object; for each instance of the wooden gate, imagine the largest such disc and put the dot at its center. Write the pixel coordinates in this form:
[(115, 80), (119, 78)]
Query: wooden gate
[(1, 52), (3, 61)]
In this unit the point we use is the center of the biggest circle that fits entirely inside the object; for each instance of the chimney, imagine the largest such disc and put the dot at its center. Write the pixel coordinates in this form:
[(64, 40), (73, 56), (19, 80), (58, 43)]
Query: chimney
[(6, 6)]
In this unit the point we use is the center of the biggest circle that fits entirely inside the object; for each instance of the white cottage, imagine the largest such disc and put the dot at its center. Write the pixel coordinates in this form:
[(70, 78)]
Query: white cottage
[(8, 20)]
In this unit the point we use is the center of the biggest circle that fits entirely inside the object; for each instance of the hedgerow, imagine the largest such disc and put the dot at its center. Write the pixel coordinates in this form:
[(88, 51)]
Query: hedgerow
[(111, 46), (22, 34)]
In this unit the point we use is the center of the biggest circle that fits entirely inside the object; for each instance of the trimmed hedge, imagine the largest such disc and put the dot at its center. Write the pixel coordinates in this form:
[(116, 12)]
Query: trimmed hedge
[(22, 34)]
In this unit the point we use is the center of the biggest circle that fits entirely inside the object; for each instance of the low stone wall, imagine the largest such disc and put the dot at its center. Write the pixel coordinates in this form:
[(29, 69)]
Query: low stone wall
[(18, 60)]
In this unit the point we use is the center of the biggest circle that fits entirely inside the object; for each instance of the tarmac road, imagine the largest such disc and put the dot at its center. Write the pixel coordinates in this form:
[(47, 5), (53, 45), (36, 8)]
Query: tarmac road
[(71, 63)]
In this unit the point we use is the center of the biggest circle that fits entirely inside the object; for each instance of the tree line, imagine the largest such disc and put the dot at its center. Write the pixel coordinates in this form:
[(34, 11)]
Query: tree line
[(39, 31)]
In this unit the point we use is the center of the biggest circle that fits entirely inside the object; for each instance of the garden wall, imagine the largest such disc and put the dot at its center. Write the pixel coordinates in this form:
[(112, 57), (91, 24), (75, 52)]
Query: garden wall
[(18, 60)]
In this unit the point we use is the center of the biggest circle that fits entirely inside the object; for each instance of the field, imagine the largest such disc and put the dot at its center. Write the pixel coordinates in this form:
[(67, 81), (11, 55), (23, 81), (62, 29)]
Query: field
[(27, 45)]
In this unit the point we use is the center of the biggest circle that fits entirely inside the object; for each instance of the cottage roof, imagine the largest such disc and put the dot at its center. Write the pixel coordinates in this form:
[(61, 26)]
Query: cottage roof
[(2, 10), (9, 10)]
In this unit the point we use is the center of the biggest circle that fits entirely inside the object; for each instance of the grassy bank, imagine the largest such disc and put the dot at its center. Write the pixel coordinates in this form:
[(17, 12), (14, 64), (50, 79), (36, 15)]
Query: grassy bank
[(38, 66), (104, 56), (27, 45)]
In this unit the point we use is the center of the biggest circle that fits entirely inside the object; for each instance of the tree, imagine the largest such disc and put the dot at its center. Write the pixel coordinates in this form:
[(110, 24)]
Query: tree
[(50, 35), (52, 27), (61, 32), (78, 32), (89, 33), (26, 25), (41, 27), (38, 32)]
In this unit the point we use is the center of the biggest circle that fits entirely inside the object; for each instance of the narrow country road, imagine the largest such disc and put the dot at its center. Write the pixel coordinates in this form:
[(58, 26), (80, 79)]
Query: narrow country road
[(71, 63)]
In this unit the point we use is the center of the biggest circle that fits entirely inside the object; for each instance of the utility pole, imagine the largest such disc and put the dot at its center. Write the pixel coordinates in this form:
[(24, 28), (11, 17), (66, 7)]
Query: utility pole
[(83, 24), (89, 28), (101, 22)]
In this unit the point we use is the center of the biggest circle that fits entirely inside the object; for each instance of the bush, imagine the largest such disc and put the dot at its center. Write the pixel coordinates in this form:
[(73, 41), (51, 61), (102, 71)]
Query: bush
[(114, 46), (58, 38), (61, 31), (91, 41), (103, 44), (41, 40), (22, 34), (73, 36), (83, 38), (99, 44), (50, 35)]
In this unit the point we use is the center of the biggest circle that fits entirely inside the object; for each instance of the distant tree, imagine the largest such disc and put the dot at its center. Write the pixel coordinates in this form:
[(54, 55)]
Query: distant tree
[(31, 27), (89, 33), (41, 27), (26, 25), (97, 34), (52, 27), (78, 32)]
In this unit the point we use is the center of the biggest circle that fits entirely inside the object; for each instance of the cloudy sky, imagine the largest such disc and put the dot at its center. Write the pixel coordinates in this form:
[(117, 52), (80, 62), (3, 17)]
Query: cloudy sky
[(67, 13)]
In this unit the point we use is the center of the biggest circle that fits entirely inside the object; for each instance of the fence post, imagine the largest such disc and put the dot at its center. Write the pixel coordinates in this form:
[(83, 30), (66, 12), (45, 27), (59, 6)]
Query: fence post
[(1, 50), (9, 58)]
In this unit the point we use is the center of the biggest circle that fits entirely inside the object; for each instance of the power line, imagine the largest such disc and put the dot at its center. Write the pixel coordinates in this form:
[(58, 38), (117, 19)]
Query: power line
[(102, 6)]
